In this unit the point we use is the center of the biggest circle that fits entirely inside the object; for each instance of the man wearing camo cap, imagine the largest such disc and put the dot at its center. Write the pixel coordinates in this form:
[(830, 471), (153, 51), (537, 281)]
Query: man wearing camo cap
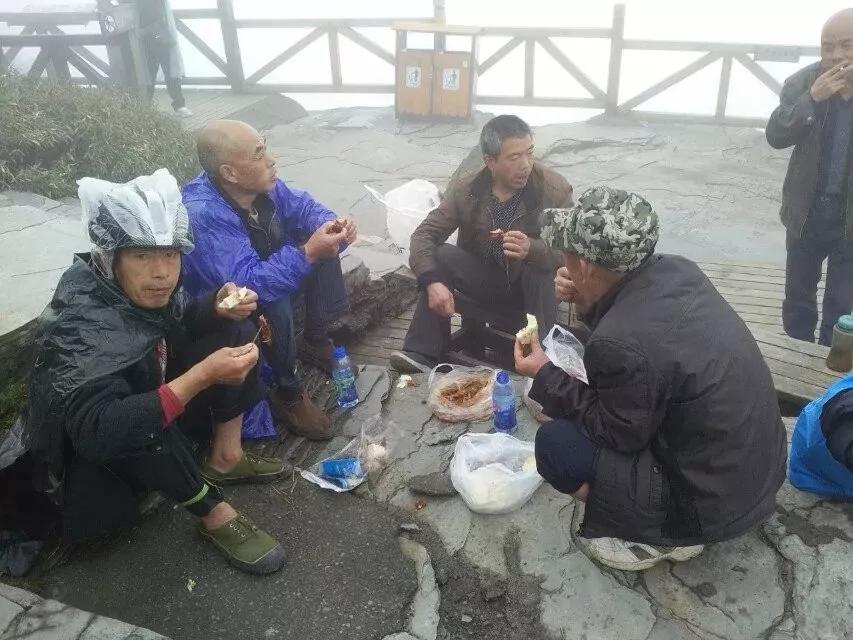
[(676, 440)]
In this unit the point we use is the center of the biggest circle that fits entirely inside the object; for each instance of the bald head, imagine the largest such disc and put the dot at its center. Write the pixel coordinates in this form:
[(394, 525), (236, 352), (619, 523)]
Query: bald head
[(839, 24), (235, 155), (220, 141)]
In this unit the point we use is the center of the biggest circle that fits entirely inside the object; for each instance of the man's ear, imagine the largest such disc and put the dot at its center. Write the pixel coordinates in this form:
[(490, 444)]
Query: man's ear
[(489, 161), (227, 173)]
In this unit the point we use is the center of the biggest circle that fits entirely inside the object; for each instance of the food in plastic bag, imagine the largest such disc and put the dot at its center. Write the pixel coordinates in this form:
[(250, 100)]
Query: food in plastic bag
[(462, 395), (533, 407), (528, 334), (494, 472), (565, 351), (406, 207), (366, 454)]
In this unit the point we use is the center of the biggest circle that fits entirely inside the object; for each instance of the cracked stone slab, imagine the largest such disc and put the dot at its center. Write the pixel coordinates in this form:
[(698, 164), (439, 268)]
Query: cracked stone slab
[(425, 604), (9, 610), (37, 245), (731, 590), (49, 620)]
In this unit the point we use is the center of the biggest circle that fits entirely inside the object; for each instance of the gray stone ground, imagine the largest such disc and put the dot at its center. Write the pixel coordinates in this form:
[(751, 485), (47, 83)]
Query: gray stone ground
[(462, 575), (790, 579)]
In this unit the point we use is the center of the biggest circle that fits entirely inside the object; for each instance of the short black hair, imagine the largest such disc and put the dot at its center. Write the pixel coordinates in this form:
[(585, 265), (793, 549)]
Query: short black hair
[(499, 129)]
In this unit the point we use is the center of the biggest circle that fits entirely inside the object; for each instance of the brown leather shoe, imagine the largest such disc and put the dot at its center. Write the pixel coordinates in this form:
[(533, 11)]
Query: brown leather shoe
[(317, 354), (301, 416)]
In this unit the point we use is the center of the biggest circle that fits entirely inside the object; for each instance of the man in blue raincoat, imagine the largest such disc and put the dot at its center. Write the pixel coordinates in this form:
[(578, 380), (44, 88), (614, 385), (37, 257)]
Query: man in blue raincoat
[(252, 229)]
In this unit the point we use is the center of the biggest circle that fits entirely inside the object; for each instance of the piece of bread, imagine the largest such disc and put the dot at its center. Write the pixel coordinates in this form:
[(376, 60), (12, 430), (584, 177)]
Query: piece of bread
[(526, 336), (232, 300)]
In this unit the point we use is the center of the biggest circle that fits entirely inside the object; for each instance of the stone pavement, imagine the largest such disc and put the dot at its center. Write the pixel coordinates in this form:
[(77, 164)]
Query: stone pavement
[(717, 189), (24, 615), (788, 580)]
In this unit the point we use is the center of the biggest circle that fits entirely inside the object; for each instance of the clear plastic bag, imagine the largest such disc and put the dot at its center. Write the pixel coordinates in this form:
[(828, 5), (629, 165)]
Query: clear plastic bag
[(494, 472), (565, 351), (12, 445), (533, 407), (406, 207), (373, 449), (461, 382)]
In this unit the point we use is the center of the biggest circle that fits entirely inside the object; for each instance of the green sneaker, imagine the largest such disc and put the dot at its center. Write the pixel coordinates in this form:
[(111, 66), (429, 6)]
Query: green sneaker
[(251, 468), (247, 547)]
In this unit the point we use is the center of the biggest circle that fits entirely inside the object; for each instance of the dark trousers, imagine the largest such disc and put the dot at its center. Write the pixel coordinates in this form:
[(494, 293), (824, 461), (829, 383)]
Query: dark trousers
[(484, 281), (325, 300), (822, 239), (158, 56), (168, 465), (564, 456)]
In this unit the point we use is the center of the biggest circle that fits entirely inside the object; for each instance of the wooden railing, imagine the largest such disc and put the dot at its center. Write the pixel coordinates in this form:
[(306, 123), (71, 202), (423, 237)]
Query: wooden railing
[(601, 96)]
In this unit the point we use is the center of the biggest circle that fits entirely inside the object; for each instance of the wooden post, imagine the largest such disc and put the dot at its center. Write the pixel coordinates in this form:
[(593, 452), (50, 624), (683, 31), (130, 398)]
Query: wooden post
[(617, 39), (723, 91), (335, 57), (233, 57), (529, 66), (439, 15)]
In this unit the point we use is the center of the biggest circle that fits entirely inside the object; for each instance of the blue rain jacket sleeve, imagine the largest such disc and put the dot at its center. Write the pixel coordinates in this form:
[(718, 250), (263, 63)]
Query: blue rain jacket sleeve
[(223, 251), (811, 466)]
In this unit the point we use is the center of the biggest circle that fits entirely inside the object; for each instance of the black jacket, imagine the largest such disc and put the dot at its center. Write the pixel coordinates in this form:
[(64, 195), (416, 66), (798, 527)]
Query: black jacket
[(798, 122), (93, 392), (684, 409)]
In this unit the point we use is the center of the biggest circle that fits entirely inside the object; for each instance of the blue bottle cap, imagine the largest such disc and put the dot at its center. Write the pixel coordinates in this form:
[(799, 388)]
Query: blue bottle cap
[(846, 323), (503, 377), (339, 352)]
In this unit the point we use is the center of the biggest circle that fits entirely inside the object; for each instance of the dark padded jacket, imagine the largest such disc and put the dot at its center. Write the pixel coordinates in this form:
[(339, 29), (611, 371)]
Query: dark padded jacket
[(798, 122), (683, 406)]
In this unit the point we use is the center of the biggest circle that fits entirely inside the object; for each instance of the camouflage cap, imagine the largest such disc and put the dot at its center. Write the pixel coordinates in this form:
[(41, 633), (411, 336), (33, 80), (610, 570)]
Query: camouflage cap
[(612, 228)]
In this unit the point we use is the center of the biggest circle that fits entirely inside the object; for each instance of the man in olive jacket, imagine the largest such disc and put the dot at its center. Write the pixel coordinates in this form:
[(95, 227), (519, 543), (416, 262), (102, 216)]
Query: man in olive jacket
[(815, 116), (677, 439), (499, 260)]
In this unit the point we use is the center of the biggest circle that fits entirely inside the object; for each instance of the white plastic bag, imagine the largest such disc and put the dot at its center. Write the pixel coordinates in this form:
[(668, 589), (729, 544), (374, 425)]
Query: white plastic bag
[(373, 449), (565, 351), (474, 409), (406, 207), (494, 472)]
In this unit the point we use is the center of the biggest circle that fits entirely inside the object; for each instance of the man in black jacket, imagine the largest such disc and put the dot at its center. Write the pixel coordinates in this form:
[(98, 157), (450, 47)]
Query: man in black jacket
[(677, 440), (815, 116), (127, 366)]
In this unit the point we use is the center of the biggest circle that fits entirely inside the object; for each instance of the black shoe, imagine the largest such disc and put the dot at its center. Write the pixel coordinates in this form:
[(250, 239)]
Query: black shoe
[(411, 362)]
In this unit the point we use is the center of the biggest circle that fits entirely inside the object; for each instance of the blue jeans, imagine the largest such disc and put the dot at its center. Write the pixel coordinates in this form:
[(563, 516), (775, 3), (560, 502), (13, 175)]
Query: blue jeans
[(564, 456), (325, 301)]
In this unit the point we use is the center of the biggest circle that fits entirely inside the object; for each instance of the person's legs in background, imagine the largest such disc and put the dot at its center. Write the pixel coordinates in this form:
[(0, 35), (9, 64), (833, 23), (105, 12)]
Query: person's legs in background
[(289, 402), (326, 300), (803, 269), (838, 294)]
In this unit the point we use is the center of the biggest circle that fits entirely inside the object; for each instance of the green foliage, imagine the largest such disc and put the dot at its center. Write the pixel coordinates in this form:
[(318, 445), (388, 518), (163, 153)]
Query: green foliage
[(52, 134), (12, 400)]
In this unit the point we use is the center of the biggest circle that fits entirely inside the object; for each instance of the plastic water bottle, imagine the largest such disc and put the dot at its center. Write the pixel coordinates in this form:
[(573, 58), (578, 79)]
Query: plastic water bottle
[(344, 379), (503, 400)]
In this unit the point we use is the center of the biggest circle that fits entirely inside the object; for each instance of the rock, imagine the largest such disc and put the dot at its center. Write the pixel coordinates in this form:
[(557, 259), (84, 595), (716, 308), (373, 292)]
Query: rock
[(425, 604), (493, 591), (410, 527), (401, 636), (432, 484), (466, 619)]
